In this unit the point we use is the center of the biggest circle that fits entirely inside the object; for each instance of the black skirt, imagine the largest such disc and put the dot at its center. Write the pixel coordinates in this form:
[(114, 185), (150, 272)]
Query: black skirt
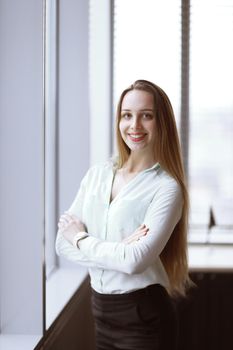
[(141, 320)]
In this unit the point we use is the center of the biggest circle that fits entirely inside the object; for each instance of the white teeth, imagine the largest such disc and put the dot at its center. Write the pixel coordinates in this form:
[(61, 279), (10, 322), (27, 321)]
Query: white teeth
[(137, 136)]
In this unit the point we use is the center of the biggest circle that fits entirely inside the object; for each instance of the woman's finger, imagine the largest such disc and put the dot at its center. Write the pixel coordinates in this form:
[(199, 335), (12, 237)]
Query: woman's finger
[(139, 235), (62, 226), (140, 227), (63, 219), (71, 216), (67, 216), (139, 232), (75, 218), (64, 222), (135, 237)]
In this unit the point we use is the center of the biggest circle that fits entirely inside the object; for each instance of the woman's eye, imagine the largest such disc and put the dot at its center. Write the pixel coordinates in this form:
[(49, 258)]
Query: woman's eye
[(147, 116), (126, 116)]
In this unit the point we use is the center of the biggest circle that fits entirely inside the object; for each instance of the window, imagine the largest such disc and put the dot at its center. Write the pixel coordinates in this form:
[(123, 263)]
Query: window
[(149, 44), (211, 114)]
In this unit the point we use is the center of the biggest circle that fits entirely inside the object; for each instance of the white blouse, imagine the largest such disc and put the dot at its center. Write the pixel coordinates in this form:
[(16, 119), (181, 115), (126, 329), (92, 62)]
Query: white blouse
[(152, 198)]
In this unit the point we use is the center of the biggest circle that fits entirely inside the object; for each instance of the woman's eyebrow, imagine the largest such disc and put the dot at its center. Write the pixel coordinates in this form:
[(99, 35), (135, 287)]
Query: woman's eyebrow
[(142, 110)]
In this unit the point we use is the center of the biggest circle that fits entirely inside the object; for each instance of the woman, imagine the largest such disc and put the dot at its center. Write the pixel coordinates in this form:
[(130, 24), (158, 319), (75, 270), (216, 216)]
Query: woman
[(128, 225)]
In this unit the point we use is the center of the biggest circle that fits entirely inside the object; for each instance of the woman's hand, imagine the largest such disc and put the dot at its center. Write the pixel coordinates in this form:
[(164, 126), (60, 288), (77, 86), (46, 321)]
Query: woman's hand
[(138, 233), (69, 225)]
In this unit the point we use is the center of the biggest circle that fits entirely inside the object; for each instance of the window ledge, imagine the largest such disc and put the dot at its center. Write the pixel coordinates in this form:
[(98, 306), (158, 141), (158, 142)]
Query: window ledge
[(60, 287), (18, 342), (213, 258), (216, 236)]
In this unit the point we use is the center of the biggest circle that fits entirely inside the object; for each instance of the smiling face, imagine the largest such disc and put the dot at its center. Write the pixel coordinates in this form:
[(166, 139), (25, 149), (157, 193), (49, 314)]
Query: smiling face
[(137, 121)]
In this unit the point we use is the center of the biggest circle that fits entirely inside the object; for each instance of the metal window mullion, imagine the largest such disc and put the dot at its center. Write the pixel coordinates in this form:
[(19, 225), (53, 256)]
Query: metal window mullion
[(43, 152), (185, 75)]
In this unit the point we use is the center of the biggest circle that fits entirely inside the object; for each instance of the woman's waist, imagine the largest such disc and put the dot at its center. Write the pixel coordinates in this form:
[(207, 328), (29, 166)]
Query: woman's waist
[(135, 294), (114, 282)]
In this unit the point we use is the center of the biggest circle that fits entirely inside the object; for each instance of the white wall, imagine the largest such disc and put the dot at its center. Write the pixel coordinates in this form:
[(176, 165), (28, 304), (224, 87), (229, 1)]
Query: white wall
[(21, 163)]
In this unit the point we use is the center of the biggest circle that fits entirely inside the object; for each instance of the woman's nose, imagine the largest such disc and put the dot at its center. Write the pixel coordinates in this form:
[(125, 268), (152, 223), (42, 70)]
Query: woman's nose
[(136, 123)]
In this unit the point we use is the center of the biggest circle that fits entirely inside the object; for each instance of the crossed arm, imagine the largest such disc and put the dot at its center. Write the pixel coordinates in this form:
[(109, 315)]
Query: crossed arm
[(138, 250)]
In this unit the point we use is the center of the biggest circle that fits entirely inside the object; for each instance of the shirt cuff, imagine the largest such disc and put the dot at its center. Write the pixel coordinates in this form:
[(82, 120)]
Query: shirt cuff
[(78, 237)]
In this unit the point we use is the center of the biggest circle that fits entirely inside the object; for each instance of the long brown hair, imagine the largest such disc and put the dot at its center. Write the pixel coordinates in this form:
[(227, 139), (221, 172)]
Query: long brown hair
[(168, 154)]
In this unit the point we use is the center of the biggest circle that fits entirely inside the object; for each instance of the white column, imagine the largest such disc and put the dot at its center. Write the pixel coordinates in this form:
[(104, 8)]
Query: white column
[(21, 164)]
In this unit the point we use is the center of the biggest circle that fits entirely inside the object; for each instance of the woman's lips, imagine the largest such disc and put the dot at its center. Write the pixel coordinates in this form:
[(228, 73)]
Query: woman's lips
[(137, 137)]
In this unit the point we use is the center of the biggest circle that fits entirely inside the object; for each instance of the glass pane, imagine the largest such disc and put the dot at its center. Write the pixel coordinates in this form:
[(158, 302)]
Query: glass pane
[(211, 113), (147, 44)]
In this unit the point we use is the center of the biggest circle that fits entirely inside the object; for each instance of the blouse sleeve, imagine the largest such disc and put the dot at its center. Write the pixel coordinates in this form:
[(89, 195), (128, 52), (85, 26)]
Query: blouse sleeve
[(62, 246), (161, 218)]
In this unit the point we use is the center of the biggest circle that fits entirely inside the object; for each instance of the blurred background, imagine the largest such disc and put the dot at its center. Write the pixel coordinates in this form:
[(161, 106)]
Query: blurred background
[(63, 65)]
